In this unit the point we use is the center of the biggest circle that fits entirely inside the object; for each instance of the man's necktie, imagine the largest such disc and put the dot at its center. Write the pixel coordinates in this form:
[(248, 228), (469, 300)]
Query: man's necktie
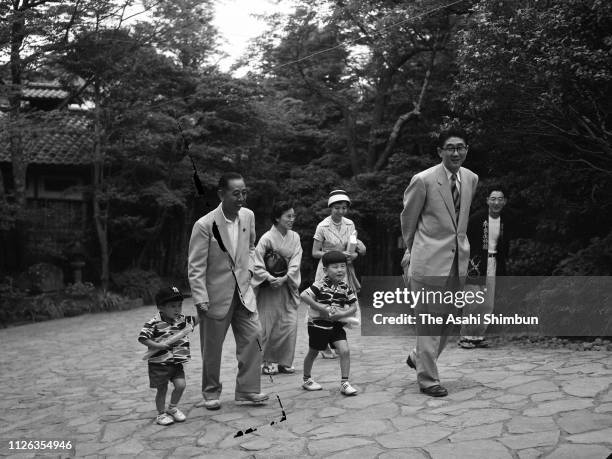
[(455, 193)]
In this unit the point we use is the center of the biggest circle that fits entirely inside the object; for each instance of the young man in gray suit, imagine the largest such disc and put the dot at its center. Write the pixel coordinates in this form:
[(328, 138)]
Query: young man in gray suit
[(434, 222), (221, 253)]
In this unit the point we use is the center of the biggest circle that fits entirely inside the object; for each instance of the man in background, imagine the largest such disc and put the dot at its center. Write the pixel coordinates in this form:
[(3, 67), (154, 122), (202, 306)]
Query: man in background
[(489, 235)]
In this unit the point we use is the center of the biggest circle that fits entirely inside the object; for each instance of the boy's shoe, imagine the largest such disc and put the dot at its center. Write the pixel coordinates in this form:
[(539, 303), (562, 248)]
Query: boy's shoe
[(269, 369), (347, 389), (310, 384), (466, 343), (177, 414), (164, 419)]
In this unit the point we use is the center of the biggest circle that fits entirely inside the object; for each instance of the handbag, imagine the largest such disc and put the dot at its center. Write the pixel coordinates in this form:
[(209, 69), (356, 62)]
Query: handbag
[(275, 264)]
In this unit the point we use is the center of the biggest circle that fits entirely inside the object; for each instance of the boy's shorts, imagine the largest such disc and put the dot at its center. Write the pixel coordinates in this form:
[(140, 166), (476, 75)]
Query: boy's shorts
[(323, 332), (161, 373)]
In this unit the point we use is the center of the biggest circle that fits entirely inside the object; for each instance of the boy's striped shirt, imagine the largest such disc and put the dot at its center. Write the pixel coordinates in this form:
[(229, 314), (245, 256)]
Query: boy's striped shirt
[(159, 330)]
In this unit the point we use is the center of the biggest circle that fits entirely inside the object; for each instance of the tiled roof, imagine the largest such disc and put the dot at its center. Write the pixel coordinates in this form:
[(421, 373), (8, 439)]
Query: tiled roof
[(43, 90), (44, 93), (64, 140)]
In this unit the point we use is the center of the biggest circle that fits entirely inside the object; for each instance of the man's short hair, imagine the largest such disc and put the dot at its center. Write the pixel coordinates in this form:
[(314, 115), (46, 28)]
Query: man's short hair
[(334, 256), (225, 179), (496, 187), (451, 132)]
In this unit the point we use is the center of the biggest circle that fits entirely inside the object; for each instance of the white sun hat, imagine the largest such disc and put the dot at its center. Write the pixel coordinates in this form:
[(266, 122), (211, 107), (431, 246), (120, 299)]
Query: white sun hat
[(337, 196)]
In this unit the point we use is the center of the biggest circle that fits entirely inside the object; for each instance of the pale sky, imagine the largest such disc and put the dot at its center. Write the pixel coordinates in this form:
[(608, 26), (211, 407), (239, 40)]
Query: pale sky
[(233, 19)]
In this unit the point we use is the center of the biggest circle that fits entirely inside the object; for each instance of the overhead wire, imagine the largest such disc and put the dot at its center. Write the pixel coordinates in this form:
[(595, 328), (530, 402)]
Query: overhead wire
[(168, 101)]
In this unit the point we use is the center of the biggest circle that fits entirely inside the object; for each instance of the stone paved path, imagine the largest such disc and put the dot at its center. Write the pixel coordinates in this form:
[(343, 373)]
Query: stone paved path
[(82, 379)]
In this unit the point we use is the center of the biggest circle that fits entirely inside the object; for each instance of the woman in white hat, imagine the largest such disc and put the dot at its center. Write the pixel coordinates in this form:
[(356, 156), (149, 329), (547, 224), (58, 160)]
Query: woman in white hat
[(334, 233)]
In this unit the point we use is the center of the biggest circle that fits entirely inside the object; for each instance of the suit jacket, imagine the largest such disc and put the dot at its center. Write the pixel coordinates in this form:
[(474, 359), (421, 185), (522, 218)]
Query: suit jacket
[(209, 269), (478, 235), (430, 228)]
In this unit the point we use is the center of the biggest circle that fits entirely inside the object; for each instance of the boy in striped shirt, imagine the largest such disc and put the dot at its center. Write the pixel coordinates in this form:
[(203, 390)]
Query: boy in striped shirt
[(167, 363), (330, 301)]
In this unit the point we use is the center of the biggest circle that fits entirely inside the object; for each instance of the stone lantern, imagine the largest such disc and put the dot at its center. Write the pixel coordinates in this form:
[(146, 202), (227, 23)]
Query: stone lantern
[(76, 258)]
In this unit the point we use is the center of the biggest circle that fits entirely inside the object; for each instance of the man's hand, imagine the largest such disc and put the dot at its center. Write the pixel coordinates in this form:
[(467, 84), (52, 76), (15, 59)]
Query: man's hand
[(202, 307)]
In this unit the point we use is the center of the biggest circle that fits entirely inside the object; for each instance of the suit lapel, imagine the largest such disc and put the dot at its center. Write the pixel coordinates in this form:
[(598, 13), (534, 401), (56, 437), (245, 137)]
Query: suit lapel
[(220, 219), (444, 189)]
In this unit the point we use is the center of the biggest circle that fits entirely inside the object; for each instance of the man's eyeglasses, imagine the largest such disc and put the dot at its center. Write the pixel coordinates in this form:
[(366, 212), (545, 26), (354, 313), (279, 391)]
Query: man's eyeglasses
[(460, 149)]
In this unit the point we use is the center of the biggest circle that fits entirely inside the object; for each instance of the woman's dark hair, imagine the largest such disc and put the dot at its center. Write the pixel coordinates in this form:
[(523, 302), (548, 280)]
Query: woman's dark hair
[(225, 179), (451, 132), (279, 208)]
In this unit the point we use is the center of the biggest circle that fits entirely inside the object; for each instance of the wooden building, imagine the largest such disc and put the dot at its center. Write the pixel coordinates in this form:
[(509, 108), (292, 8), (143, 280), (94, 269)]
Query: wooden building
[(57, 147)]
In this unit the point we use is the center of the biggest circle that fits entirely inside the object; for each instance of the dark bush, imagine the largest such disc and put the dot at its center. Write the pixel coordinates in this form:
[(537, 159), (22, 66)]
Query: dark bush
[(137, 283), (17, 307)]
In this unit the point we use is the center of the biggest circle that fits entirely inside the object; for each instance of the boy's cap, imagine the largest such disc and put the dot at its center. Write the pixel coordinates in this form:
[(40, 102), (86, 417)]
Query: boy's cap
[(167, 294), (332, 257)]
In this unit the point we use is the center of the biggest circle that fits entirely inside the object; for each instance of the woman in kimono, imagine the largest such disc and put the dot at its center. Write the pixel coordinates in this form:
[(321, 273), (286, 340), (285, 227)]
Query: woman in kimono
[(278, 297), (334, 233)]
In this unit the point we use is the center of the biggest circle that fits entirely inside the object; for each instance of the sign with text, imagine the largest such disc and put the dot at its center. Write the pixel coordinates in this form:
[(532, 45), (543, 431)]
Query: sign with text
[(512, 305)]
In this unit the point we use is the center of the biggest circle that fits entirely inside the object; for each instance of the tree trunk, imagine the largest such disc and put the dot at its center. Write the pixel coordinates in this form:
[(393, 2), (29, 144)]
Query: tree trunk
[(15, 134), (399, 123), (348, 115), (18, 162), (351, 139), (153, 239), (380, 103), (2, 190), (100, 216)]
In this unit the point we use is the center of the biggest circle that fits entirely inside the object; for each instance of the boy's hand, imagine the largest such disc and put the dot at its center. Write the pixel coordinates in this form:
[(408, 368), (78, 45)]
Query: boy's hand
[(276, 282), (333, 316), (337, 313), (324, 311), (158, 346)]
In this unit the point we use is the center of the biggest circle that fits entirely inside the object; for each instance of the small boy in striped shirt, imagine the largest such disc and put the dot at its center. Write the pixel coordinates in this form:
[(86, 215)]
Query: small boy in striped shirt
[(331, 301), (167, 363)]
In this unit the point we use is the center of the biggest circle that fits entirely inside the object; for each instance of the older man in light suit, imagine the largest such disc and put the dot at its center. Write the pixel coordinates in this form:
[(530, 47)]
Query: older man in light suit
[(434, 222), (221, 253)]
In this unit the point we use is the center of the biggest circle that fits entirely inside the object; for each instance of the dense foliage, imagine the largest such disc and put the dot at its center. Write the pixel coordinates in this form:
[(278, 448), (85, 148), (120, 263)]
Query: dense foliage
[(345, 94)]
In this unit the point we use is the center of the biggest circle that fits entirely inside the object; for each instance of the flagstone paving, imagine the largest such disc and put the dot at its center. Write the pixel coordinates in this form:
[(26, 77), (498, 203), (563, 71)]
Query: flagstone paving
[(82, 379)]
